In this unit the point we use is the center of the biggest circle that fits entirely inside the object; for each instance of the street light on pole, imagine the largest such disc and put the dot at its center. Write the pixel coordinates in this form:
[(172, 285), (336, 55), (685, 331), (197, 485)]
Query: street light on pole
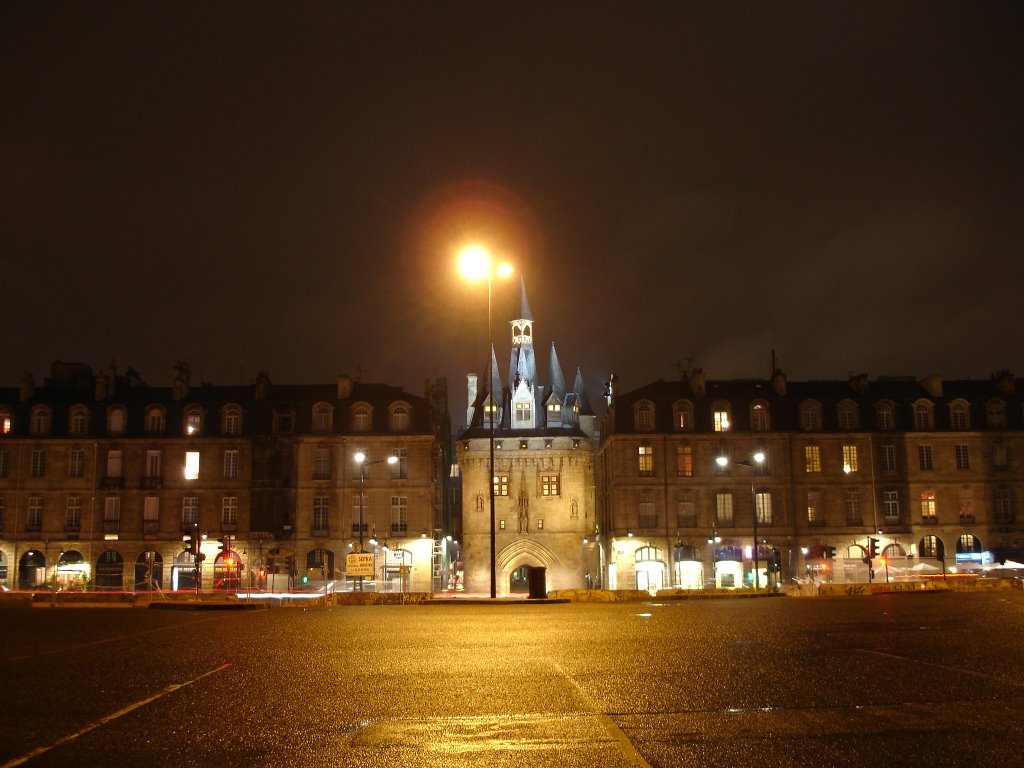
[(755, 461), (360, 458), (475, 262)]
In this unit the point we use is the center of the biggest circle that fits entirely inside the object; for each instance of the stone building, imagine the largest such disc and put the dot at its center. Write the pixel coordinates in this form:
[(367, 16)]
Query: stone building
[(109, 483), (543, 472), (927, 472)]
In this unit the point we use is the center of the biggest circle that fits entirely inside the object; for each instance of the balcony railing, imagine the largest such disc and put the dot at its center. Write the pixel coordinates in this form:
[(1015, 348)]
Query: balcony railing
[(929, 520), (228, 527), (320, 533), (816, 523), (152, 482), (150, 526), (687, 521), (73, 527), (967, 520), (892, 519), (855, 521), (111, 526), (397, 528), (108, 482)]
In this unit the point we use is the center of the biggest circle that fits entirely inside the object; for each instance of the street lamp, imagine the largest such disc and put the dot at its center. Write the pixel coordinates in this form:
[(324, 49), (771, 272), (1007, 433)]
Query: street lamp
[(475, 262), (360, 458), (755, 461)]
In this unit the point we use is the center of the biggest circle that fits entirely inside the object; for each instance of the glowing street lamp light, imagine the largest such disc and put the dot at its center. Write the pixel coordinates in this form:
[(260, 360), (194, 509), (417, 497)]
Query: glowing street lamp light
[(755, 461), (475, 263)]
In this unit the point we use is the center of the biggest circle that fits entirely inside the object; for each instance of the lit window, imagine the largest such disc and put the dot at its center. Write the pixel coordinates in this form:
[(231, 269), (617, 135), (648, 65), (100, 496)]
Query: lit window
[(684, 416), (5, 422), (928, 505), (763, 504), (193, 422), (501, 485), (645, 460), (723, 508), (549, 485), (684, 461), (192, 465), (759, 417), (812, 458), (523, 412), (849, 458), (814, 507), (721, 421), (966, 500)]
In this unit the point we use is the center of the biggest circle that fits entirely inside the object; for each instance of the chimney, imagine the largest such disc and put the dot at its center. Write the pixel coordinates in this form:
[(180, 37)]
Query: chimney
[(27, 386), (932, 385), (859, 384), (698, 383), (779, 382), (262, 385), (180, 382), (100, 386), (1004, 381), (344, 387), (471, 388)]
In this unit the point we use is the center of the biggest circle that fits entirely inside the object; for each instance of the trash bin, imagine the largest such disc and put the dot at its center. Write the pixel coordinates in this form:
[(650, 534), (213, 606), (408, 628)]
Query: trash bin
[(537, 577)]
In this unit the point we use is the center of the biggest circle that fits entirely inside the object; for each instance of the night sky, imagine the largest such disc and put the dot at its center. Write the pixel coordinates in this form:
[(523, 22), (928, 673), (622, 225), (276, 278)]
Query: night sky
[(283, 186)]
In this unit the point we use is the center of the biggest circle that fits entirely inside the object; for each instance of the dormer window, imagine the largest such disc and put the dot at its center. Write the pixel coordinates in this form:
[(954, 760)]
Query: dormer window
[(400, 417), (361, 418), (193, 422), (643, 416), (232, 420), (155, 420), (721, 416), (116, 418), (40, 420), (322, 418), (79, 422)]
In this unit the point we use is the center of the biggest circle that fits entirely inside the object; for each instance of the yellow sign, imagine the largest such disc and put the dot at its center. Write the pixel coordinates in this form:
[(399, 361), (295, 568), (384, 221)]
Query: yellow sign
[(359, 564)]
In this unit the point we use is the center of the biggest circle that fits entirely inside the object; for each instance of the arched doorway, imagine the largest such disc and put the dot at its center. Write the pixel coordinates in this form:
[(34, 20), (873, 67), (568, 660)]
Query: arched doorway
[(227, 571), (72, 571), (728, 566), (183, 574), (689, 567), (149, 572), (650, 569), (968, 550), (32, 570), (519, 580), (110, 570)]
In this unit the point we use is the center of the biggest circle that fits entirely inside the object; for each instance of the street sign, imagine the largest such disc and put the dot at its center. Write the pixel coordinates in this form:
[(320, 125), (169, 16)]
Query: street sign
[(359, 564)]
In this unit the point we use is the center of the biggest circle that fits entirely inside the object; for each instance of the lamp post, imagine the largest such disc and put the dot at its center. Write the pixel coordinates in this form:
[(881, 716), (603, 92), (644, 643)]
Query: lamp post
[(360, 458), (475, 262), (755, 461)]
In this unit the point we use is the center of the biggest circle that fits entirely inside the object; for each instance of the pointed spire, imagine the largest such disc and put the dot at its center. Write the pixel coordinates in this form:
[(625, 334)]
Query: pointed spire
[(524, 312), (555, 378), (495, 382), (581, 395)]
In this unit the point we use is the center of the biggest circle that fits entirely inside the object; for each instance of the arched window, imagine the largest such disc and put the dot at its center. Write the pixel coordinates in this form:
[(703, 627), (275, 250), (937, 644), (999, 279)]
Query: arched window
[(848, 415), (959, 415), (78, 420), (322, 418), (968, 543), (399, 417), (930, 546), (683, 416), (116, 420), (885, 415), (995, 414), (232, 420), (810, 415), (156, 419), (759, 421), (923, 416), (894, 550), (643, 416), (648, 554), (361, 418), (110, 570), (721, 414), (194, 421), (40, 422)]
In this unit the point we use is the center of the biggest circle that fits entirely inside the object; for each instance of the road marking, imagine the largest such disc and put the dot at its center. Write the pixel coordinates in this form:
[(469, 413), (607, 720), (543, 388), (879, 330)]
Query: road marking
[(609, 725), (109, 718)]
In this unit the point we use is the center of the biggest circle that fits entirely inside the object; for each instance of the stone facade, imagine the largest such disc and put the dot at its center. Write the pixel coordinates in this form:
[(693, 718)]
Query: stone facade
[(102, 478), (931, 472), (544, 474)]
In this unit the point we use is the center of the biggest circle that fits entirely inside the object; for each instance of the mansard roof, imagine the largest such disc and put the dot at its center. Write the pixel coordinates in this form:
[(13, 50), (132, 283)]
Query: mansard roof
[(866, 394)]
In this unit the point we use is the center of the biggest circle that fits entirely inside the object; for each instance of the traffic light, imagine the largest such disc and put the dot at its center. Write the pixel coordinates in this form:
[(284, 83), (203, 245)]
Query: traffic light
[(230, 562), (830, 552), (225, 544), (873, 548)]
